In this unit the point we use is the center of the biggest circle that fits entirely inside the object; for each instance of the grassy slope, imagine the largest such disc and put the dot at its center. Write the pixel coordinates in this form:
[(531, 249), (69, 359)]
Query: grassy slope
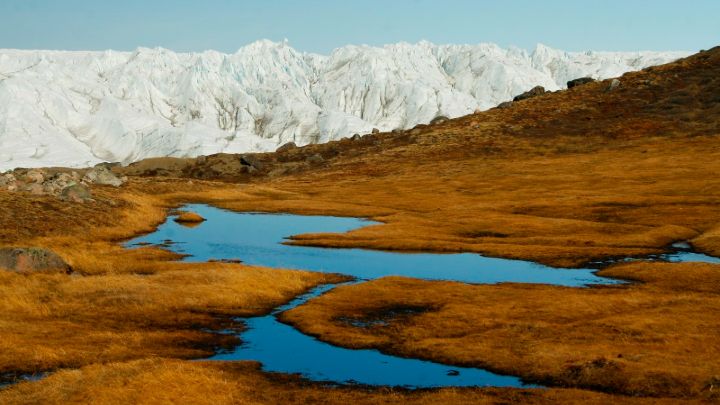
[(561, 179)]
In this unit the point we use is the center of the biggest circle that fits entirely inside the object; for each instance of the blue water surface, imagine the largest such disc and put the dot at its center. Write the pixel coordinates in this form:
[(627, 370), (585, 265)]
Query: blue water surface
[(257, 239)]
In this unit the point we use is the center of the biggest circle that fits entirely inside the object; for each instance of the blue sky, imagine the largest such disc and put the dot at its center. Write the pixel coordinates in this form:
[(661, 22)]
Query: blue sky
[(320, 26)]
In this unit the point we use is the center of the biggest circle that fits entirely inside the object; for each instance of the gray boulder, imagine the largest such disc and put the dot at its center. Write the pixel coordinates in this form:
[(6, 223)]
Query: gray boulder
[(579, 82), (534, 92), (439, 120), (315, 159), (286, 147), (614, 84), (504, 105), (31, 260), (103, 176), (76, 193), (251, 161)]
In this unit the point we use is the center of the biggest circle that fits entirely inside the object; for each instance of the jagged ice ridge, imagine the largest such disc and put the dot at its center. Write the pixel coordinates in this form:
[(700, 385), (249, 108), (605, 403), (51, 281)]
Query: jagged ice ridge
[(79, 108)]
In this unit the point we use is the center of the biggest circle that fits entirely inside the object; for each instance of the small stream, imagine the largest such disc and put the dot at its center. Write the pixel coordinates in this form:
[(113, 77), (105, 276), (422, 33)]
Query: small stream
[(257, 239)]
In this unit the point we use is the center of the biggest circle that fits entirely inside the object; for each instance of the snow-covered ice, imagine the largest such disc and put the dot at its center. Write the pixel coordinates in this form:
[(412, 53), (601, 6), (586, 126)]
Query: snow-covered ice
[(62, 108)]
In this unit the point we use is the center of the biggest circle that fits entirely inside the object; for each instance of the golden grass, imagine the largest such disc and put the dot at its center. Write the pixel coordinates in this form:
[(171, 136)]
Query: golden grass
[(162, 381), (656, 338), (561, 179), (123, 304)]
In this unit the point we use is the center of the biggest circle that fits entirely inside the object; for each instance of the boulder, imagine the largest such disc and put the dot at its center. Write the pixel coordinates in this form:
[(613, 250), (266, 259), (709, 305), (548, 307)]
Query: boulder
[(251, 161), (315, 159), (439, 120), (534, 92), (187, 217), (35, 189), (614, 84), (103, 176), (75, 193), (286, 147), (7, 180), (504, 105), (375, 131), (579, 82), (35, 176), (355, 137), (31, 260)]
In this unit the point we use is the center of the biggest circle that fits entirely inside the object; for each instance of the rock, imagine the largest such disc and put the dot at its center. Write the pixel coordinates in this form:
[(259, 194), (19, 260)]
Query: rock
[(477, 111), (375, 131), (534, 92), (398, 131), (34, 176), (30, 260), (201, 160), (103, 176), (579, 82), (286, 147), (108, 165), (35, 189), (355, 137), (252, 161), (12, 187), (7, 180), (614, 84), (187, 217), (75, 193), (439, 120), (315, 159), (504, 105)]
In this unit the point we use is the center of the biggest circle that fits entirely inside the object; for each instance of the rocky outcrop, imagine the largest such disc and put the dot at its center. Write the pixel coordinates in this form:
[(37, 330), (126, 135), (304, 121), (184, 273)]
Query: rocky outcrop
[(504, 105), (439, 120), (102, 175), (614, 84), (534, 92), (286, 147), (76, 193), (32, 260), (579, 82), (62, 183)]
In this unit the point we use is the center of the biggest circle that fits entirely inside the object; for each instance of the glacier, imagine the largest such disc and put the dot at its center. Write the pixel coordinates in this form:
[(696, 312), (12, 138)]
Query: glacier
[(77, 108)]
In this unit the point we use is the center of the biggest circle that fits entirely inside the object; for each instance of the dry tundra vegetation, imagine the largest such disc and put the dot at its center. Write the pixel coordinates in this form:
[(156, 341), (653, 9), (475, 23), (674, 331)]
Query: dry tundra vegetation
[(562, 179)]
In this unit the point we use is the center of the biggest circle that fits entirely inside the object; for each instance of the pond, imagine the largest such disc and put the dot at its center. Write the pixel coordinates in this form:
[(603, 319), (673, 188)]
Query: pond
[(257, 239)]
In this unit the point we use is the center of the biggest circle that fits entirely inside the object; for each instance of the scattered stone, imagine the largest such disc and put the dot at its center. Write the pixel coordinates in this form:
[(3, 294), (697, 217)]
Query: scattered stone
[(614, 84), (30, 260), (7, 179), (504, 105), (252, 161), (534, 92), (35, 189), (76, 193), (355, 137), (102, 175), (108, 165), (398, 131), (286, 147), (35, 176), (579, 82), (375, 131), (187, 217), (315, 159), (477, 111), (439, 120)]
